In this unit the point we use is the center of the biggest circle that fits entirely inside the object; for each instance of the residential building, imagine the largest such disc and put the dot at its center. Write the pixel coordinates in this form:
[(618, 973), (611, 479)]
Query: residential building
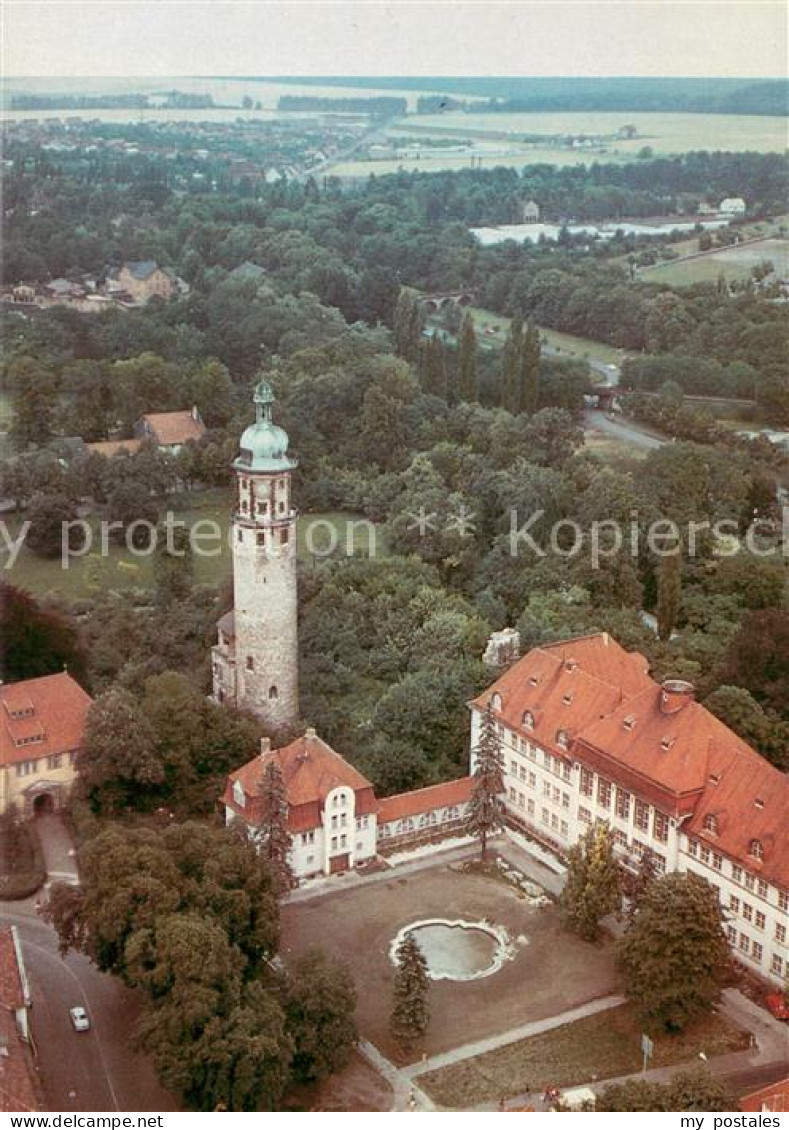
[(732, 206), (422, 814), (171, 430), (530, 212), (332, 809), (145, 280), (772, 1099), (19, 1086), (255, 659), (589, 737), (42, 722)]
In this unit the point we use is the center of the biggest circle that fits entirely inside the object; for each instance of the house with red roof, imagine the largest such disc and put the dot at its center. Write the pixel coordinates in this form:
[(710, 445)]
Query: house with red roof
[(19, 1087), (589, 736), (773, 1098), (42, 722), (171, 430)]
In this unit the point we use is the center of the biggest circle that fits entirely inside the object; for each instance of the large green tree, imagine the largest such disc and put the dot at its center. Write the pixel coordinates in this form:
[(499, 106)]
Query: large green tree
[(467, 387), (674, 956), (592, 886), (669, 600), (320, 999), (486, 810), (687, 1090), (118, 764), (36, 638), (411, 1005)]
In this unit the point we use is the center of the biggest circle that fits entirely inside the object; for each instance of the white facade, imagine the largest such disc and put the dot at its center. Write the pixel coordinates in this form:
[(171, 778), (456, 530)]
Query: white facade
[(556, 798), (733, 206)]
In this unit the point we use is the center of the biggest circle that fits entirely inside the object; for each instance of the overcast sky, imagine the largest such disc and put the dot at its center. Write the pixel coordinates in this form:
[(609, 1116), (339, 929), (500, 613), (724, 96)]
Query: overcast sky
[(405, 37)]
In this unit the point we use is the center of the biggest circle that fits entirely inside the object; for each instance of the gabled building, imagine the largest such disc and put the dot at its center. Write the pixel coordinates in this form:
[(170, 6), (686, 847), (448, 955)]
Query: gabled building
[(145, 280), (588, 736), (332, 810), (42, 723), (19, 1086), (171, 430)]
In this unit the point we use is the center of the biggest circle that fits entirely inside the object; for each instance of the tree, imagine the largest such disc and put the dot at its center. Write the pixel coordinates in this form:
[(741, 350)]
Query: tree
[(48, 515), (529, 371), (674, 956), (510, 366), (274, 837), (485, 811), (118, 762), (33, 402), (635, 884), (411, 1007), (408, 325), (320, 999), (36, 639), (467, 361), (591, 889), (688, 1090), (669, 594), (740, 711), (433, 368), (173, 570), (758, 659), (130, 503)]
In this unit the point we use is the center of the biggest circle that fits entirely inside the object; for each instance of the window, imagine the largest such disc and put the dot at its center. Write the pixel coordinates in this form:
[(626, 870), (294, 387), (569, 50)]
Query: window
[(240, 535), (693, 845), (776, 965), (783, 900), (744, 943), (731, 934), (565, 829), (638, 848), (603, 793), (585, 815), (587, 782), (545, 816), (566, 771), (25, 768), (750, 882), (344, 820), (514, 768), (532, 780), (756, 849), (521, 772), (762, 889), (362, 821), (760, 920), (706, 854), (284, 533), (250, 663), (757, 951), (273, 692), (334, 822), (556, 795), (747, 912), (736, 873), (334, 843), (717, 861), (546, 788), (562, 739), (528, 720), (711, 823), (521, 800), (623, 804), (555, 822), (661, 827), (54, 762), (308, 837), (565, 800), (659, 862), (619, 838), (734, 904), (511, 794), (530, 807), (261, 539), (780, 932)]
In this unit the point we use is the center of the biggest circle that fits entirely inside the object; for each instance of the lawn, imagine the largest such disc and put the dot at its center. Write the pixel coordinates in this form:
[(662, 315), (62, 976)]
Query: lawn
[(734, 263), (548, 971), (603, 1046), (576, 348), (121, 569)]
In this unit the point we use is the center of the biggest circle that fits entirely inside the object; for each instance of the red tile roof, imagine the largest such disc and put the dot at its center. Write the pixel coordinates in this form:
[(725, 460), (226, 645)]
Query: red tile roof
[(174, 427), (311, 769), (19, 1089), (424, 800), (12, 992), (774, 1097), (53, 706), (655, 740)]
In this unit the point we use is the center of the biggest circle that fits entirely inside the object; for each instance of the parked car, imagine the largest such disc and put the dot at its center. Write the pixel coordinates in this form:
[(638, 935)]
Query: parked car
[(79, 1019), (776, 1004)]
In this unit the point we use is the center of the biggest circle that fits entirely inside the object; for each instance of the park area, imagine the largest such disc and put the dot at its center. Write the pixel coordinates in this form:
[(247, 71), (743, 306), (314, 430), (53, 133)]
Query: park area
[(734, 263), (547, 971)]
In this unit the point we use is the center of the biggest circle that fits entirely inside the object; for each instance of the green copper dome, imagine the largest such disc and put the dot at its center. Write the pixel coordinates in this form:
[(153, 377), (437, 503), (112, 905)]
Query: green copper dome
[(264, 446)]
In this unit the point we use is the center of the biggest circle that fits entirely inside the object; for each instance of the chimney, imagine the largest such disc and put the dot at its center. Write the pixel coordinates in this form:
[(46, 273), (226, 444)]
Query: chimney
[(675, 694), (310, 732), (265, 746)]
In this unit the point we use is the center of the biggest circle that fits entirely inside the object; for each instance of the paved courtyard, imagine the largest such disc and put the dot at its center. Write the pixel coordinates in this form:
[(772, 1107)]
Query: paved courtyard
[(549, 971)]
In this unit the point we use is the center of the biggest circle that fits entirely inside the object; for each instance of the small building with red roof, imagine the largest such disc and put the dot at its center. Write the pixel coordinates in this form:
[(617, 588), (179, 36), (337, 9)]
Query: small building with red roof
[(772, 1099), (171, 430), (19, 1086), (438, 810), (42, 722)]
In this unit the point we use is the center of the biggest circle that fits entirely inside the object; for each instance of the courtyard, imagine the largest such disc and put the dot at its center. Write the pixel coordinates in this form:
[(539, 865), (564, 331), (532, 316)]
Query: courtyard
[(546, 970)]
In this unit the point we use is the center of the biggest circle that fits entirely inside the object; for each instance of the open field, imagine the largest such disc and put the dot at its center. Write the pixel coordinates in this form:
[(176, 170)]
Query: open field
[(122, 569), (567, 345), (549, 971), (753, 230), (603, 1046), (732, 262)]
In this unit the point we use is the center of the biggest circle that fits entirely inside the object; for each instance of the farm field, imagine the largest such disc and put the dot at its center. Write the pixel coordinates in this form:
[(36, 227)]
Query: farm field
[(734, 263), (566, 345), (122, 569)]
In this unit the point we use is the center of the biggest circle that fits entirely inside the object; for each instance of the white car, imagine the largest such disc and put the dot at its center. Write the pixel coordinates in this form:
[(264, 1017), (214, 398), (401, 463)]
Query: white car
[(79, 1019)]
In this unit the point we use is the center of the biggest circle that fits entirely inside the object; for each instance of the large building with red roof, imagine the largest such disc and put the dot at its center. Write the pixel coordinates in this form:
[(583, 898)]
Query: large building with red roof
[(42, 722), (588, 736)]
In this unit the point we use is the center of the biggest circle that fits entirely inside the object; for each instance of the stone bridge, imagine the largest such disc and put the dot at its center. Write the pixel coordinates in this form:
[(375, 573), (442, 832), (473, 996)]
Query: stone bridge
[(431, 303)]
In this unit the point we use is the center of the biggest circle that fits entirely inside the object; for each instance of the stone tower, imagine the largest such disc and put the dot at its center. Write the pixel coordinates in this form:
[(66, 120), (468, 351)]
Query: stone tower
[(255, 661)]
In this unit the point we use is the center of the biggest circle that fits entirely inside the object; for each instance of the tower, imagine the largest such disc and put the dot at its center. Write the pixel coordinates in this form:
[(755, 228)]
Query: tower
[(255, 661)]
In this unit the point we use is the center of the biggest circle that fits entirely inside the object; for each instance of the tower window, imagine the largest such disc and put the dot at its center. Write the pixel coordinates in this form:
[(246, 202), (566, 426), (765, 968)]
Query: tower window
[(261, 539), (250, 663), (280, 506), (240, 535), (284, 536), (273, 692)]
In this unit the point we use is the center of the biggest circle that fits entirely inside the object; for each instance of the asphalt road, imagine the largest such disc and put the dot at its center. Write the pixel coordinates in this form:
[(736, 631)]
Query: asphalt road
[(621, 430), (80, 1071)]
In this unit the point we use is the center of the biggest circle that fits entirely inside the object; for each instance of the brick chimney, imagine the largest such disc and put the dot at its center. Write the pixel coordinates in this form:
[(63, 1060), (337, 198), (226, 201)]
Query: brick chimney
[(265, 746), (675, 694)]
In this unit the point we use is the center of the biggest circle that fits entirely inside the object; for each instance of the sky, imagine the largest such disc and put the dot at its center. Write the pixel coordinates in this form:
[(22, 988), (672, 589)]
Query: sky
[(743, 38)]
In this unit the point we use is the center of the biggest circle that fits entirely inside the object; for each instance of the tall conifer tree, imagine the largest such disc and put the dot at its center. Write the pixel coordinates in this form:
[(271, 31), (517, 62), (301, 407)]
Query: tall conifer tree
[(411, 1007), (274, 834), (485, 808)]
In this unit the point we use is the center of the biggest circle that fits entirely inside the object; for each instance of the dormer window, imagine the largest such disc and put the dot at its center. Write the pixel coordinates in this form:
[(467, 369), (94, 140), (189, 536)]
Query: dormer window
[(667, 743), (758, 803), (567, 699), (711, 823), (495, 702), (714, 778), (629, 722), (239, 795), (534, 680), (562, 739), (756, 849), (528, 720)]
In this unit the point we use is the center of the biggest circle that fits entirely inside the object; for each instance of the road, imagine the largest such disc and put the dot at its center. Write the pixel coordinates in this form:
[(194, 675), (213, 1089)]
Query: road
[(622, 430), (80, 1071)]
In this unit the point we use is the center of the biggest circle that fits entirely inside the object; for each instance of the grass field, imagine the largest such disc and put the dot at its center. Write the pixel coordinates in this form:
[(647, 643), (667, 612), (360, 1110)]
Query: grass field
[(576, 348), (734, 263), (121, 569), (603, 1046)]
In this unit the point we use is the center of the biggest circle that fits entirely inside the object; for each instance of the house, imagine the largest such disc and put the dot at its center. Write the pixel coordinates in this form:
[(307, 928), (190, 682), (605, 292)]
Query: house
[(588, 736), (732, 206), (63, 290), (407, 818), (530, 212), (145, 280), (42, 722), (332, 809), (772, 1099), (171, 430), (705, 209), (19, 1086)]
